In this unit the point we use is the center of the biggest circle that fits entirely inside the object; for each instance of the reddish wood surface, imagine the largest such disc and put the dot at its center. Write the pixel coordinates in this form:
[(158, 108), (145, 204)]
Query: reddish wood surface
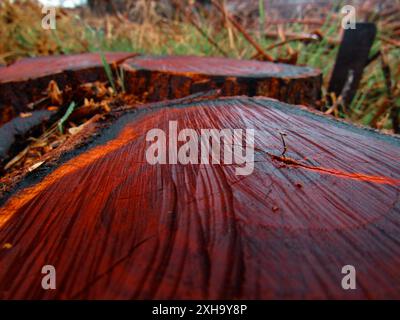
[(26, 80), (116, 227), (178, 76), (31, 68)]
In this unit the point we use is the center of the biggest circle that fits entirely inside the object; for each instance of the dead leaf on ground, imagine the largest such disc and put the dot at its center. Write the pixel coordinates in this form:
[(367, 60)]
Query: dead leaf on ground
[(54, 93)]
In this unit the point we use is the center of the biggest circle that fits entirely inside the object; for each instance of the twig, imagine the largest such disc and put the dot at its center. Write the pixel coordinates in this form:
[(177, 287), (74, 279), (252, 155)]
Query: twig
[(204, 34), (122, 60), (266, 56), (341, 99), (316, 22), (381, 110), (390, 41), (283, 135), (281, 43), (390, 12), (306, 36), (373, 58)]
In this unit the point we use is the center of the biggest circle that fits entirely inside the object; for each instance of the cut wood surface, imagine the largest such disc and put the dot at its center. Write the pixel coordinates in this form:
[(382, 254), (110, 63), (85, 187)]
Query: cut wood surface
[(115, 226), (32, 68), (178, 76), (25, 81)]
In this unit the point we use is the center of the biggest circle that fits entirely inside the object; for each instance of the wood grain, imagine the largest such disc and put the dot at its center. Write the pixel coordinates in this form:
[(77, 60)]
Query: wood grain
[(116, 227)]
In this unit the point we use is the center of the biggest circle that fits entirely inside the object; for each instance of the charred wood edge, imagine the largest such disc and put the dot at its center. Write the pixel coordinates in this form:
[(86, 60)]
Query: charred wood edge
[(112, 129)]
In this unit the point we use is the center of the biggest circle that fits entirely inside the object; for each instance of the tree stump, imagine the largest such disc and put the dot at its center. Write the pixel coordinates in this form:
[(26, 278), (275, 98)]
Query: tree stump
[(25, 81), (171, 77), (323, 194)]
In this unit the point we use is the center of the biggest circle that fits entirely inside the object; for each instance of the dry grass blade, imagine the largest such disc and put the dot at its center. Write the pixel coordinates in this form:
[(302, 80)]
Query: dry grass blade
[(16, 159), (65, 117), (203, 33), (246, 35), (392, 42)]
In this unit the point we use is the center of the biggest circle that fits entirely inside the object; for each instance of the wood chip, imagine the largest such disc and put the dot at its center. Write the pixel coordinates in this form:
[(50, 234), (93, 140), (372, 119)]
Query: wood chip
[(25, 114), (35, 166), (7, 246)]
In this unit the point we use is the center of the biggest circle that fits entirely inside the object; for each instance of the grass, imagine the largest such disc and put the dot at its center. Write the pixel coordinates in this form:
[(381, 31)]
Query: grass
[(22, 36), (108, 71), (261, 13), (65, 117)]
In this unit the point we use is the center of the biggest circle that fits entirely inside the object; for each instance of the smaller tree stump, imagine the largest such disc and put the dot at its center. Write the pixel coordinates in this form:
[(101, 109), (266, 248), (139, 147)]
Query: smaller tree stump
[(171, 77)]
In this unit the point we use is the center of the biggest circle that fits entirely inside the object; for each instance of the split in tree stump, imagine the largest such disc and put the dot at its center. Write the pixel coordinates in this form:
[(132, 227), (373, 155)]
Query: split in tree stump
[(322, 195), (173, 77)]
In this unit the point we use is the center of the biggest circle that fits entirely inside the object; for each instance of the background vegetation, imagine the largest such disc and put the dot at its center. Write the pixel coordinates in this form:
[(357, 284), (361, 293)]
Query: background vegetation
[(195, 28)]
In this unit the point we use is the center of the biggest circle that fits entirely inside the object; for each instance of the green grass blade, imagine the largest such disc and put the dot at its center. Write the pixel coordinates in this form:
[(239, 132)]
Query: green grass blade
[(261, 10), (65, 117), (108, 71)]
